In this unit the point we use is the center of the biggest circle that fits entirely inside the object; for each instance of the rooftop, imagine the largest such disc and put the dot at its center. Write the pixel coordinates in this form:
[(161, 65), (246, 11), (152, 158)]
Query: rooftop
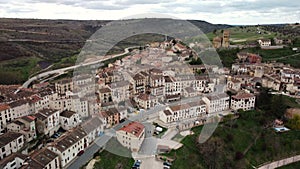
[(243, 95), (42, 157), (67, 113), (11, 158), (69, 139), (8, 137), (134, 128)]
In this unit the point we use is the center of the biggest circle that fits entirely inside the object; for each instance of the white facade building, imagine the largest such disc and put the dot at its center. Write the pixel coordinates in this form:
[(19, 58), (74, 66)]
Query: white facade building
[(131, 136), (244, 101), (216, 103), (10, 142)]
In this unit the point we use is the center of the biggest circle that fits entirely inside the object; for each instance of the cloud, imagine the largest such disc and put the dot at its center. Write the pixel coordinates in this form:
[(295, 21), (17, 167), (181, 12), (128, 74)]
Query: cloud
[(216, 11)]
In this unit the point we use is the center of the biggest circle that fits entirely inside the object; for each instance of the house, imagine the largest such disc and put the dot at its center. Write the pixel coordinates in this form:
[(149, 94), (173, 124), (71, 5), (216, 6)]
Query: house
[(15, 160), (64, 85), (43, 158), (69, 145), (24, 125), (4, 113), (93, 127), (234, 85), (264, 42), (131, 136), (47, 121), (105, 95), (170, 86), (175, 113), (216, 103), (69, 119), (80, 105), (189, 92), (146, 101), (140, 83), (119, 91), (243, 100), (271, 81), (10, 142), (110, 117), (156, 83)]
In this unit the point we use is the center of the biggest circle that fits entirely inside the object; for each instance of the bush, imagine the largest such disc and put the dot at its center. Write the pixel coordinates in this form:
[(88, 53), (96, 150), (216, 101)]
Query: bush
[(239, 155)]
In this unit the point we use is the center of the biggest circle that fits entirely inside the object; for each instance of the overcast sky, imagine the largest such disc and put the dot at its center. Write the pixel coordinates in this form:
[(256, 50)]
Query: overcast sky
[(215, 11)]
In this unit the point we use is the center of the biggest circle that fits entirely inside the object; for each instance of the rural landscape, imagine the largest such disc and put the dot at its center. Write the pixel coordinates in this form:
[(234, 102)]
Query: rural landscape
[(150, 91)]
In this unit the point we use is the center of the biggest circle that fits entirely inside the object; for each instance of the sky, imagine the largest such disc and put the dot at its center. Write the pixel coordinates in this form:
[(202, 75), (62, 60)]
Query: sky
[(234, 12)]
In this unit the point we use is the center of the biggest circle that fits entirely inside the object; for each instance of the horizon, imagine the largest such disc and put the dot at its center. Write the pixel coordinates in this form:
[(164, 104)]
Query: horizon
[(233, 12), (287, 23)]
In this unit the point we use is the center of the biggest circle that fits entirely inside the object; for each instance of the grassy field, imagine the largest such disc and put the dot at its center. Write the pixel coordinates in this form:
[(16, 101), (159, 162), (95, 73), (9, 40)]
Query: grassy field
[(112, 161), (284, 55), (16, 71), (237, 144), (242, 34)]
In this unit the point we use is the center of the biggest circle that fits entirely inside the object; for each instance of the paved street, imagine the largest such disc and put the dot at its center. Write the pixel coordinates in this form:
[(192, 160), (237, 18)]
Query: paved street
[(151, 163), (89, 152), (62, 70)]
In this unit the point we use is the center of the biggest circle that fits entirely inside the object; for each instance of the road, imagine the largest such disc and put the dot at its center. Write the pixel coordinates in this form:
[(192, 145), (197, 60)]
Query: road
[(63, 70), (89, 152)]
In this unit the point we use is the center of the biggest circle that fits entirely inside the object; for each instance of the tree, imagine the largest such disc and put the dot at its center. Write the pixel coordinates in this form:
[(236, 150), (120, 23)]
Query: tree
[(215, 31), (294, 123), (278, 106)]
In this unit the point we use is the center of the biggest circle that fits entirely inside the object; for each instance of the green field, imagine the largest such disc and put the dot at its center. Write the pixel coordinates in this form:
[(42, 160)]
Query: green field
[(112, 161), (237, 144), (242, 34), (242, 142), (16, 71)]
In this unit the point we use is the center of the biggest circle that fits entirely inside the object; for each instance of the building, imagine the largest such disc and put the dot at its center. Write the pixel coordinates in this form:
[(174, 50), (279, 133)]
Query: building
[(225, 40), (110, 117), (24, 125), (131, 136), (43, 158), (264, 42), (69, 145), (146, 101), (15, 160), (69, 119), (64, 85), (4, 112), (48, 121), (234, 85), (216, 103), (196, 109), (105, 95), (217, 42), (10, 142), (93, 127), (243, 100), (140, 83), (119, 91)]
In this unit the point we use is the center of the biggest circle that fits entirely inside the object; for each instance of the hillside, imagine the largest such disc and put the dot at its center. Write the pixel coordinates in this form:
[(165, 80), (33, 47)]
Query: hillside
[(29, 45)]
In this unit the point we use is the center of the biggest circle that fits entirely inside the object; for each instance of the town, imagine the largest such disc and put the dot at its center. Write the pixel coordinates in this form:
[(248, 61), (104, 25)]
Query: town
[(51, 124)]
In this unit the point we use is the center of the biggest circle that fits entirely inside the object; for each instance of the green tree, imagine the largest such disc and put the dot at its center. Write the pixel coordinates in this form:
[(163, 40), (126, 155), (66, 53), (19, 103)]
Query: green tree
[(294, 123), (278, 107)]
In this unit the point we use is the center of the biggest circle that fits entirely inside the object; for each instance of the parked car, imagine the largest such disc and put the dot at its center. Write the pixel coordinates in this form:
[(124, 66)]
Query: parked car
[(80, 152), (167, 164)]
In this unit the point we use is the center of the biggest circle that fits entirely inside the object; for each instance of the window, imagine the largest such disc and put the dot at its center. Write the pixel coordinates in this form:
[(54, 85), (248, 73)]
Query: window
[(20, 140)]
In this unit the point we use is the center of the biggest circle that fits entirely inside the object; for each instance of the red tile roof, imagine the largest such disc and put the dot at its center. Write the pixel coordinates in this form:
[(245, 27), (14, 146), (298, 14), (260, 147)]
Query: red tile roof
[(4, 107), (134, 128), (243, 96)]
